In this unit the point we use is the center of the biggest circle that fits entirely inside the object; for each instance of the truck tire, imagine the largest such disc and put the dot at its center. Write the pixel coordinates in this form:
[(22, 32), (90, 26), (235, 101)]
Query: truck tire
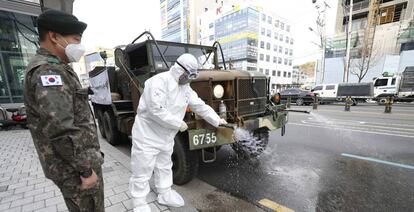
[(381, 101), (185, 162), (111, 131), (299, 102), (354, 102), (99, 116), (245, 151)]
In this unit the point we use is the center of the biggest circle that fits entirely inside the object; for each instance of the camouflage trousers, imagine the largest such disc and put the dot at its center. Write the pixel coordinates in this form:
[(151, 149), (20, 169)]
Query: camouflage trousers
[(85, 201)]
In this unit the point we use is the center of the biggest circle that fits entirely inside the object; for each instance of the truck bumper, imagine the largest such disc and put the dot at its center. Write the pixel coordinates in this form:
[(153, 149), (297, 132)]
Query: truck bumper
[(202, 138)]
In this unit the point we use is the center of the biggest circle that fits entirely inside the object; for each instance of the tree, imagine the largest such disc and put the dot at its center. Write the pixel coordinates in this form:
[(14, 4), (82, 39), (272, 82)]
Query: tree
[(367, 58)]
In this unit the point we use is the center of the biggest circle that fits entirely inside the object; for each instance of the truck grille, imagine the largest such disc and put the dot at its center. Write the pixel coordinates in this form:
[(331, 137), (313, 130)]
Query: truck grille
[(251, 96)]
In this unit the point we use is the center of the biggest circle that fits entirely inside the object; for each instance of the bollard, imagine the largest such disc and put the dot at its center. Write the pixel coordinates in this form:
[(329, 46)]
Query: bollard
[(388, 104), (348, 103), (289, 99), (315, 102)]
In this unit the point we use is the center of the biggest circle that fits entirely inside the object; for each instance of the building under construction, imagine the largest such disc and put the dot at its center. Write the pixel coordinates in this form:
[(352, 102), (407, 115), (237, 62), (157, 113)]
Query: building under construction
[(376, 26), (381, 39)]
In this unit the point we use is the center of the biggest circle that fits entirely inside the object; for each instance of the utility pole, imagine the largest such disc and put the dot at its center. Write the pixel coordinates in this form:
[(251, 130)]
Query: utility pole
[(348, 47), (321, 23)]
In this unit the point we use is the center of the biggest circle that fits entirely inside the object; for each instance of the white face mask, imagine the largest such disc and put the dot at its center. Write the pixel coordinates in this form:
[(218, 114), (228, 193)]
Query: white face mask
[(73, 51)]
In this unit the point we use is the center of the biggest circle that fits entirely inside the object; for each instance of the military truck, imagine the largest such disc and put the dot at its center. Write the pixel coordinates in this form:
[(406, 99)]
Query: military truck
[(242, 97)]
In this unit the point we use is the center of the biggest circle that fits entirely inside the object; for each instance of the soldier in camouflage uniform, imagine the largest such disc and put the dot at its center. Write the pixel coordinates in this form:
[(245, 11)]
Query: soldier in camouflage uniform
[(59, 116)]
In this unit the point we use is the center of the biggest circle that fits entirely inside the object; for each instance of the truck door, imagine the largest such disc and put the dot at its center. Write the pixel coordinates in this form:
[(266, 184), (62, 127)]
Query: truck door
[(330, 91)]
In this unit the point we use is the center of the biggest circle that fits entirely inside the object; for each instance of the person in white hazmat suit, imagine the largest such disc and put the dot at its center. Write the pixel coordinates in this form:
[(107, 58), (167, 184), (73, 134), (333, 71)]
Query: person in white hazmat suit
[(160, 114)]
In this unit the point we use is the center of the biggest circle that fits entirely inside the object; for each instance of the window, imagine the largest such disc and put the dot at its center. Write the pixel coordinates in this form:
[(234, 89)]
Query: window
[(268, 46), (291, 52), (263, 17), (269, 33), (280, 37), (330, 87), (279, 60), (275, 48), (286, 51), (267, 58), (393, 81), (280, 49), (263, 31), (211, 25), (276, 23), (262, 44), (261, 70), (261, 57), (290, 62), (289, 74), (288, 28), (291, 41), (278, 73), (318, 88), (284, 74), (274, 59), (282, 25), (285, 61), (211, 37), (287, 39), (381, 82), (274, 73), (267, 71), (269, 20), (276, 35)]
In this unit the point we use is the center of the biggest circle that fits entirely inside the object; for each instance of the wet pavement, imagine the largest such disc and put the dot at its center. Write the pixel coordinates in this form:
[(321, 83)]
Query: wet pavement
[(329, 160)]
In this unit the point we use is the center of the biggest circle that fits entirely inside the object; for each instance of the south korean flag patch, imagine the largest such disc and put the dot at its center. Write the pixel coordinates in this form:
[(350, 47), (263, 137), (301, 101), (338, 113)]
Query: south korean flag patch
[(51, 80)]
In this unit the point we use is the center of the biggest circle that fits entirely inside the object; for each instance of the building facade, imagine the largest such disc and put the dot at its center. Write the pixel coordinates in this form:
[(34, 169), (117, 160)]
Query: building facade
[(179, 18), (18, 43), (252, 39), (394, 17)]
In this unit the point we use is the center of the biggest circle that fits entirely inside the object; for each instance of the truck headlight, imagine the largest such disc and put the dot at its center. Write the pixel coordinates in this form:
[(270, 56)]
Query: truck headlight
[(218, 91)]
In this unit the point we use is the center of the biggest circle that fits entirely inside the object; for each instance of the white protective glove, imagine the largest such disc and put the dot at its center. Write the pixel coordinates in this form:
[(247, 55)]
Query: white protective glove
[(222, 122), (183, 127)]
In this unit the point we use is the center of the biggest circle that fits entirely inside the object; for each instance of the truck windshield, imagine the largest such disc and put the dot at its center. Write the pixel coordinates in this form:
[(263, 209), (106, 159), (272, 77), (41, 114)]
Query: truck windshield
[(381, 82), (172, 52)]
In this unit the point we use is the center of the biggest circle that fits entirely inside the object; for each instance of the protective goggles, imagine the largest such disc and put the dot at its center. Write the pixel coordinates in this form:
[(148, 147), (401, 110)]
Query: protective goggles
[(191, 74)]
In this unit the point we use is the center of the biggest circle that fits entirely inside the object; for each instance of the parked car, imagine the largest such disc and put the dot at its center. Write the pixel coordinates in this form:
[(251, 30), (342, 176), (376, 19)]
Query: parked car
[(298, 96)]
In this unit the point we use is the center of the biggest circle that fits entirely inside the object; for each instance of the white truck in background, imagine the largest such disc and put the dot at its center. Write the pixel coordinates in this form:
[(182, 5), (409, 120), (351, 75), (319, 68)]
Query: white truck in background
[(338, 92), (400, 86)]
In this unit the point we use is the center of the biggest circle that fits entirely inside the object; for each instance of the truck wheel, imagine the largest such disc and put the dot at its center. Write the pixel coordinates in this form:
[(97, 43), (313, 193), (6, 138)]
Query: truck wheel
[(111, 130), (99, 116), (185, 162), (299, 102), (382, 101), (253, 146), (354, 102)]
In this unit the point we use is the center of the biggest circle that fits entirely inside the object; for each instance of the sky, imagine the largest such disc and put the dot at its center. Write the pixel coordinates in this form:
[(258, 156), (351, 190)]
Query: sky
[(118, 22)]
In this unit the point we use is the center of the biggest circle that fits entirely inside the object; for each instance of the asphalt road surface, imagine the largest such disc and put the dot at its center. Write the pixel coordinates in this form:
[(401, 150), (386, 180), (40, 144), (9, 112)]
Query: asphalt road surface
[(329, 160)]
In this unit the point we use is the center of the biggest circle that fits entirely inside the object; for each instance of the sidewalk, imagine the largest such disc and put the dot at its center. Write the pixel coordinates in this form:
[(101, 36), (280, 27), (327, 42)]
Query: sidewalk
[(23, 186)]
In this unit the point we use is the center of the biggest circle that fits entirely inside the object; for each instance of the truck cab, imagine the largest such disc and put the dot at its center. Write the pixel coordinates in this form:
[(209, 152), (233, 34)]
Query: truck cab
[(385, 86), (327, 93)]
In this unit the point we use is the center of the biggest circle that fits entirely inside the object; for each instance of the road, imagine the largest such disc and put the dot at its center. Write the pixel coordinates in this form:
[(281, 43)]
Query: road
[(329, 160)]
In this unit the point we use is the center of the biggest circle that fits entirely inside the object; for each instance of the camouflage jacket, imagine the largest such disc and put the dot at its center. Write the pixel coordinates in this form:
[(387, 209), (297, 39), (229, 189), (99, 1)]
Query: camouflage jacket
[(60, 118)]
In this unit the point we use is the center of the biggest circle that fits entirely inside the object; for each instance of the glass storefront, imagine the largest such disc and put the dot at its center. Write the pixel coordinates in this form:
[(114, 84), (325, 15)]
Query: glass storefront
[(18, 43)]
